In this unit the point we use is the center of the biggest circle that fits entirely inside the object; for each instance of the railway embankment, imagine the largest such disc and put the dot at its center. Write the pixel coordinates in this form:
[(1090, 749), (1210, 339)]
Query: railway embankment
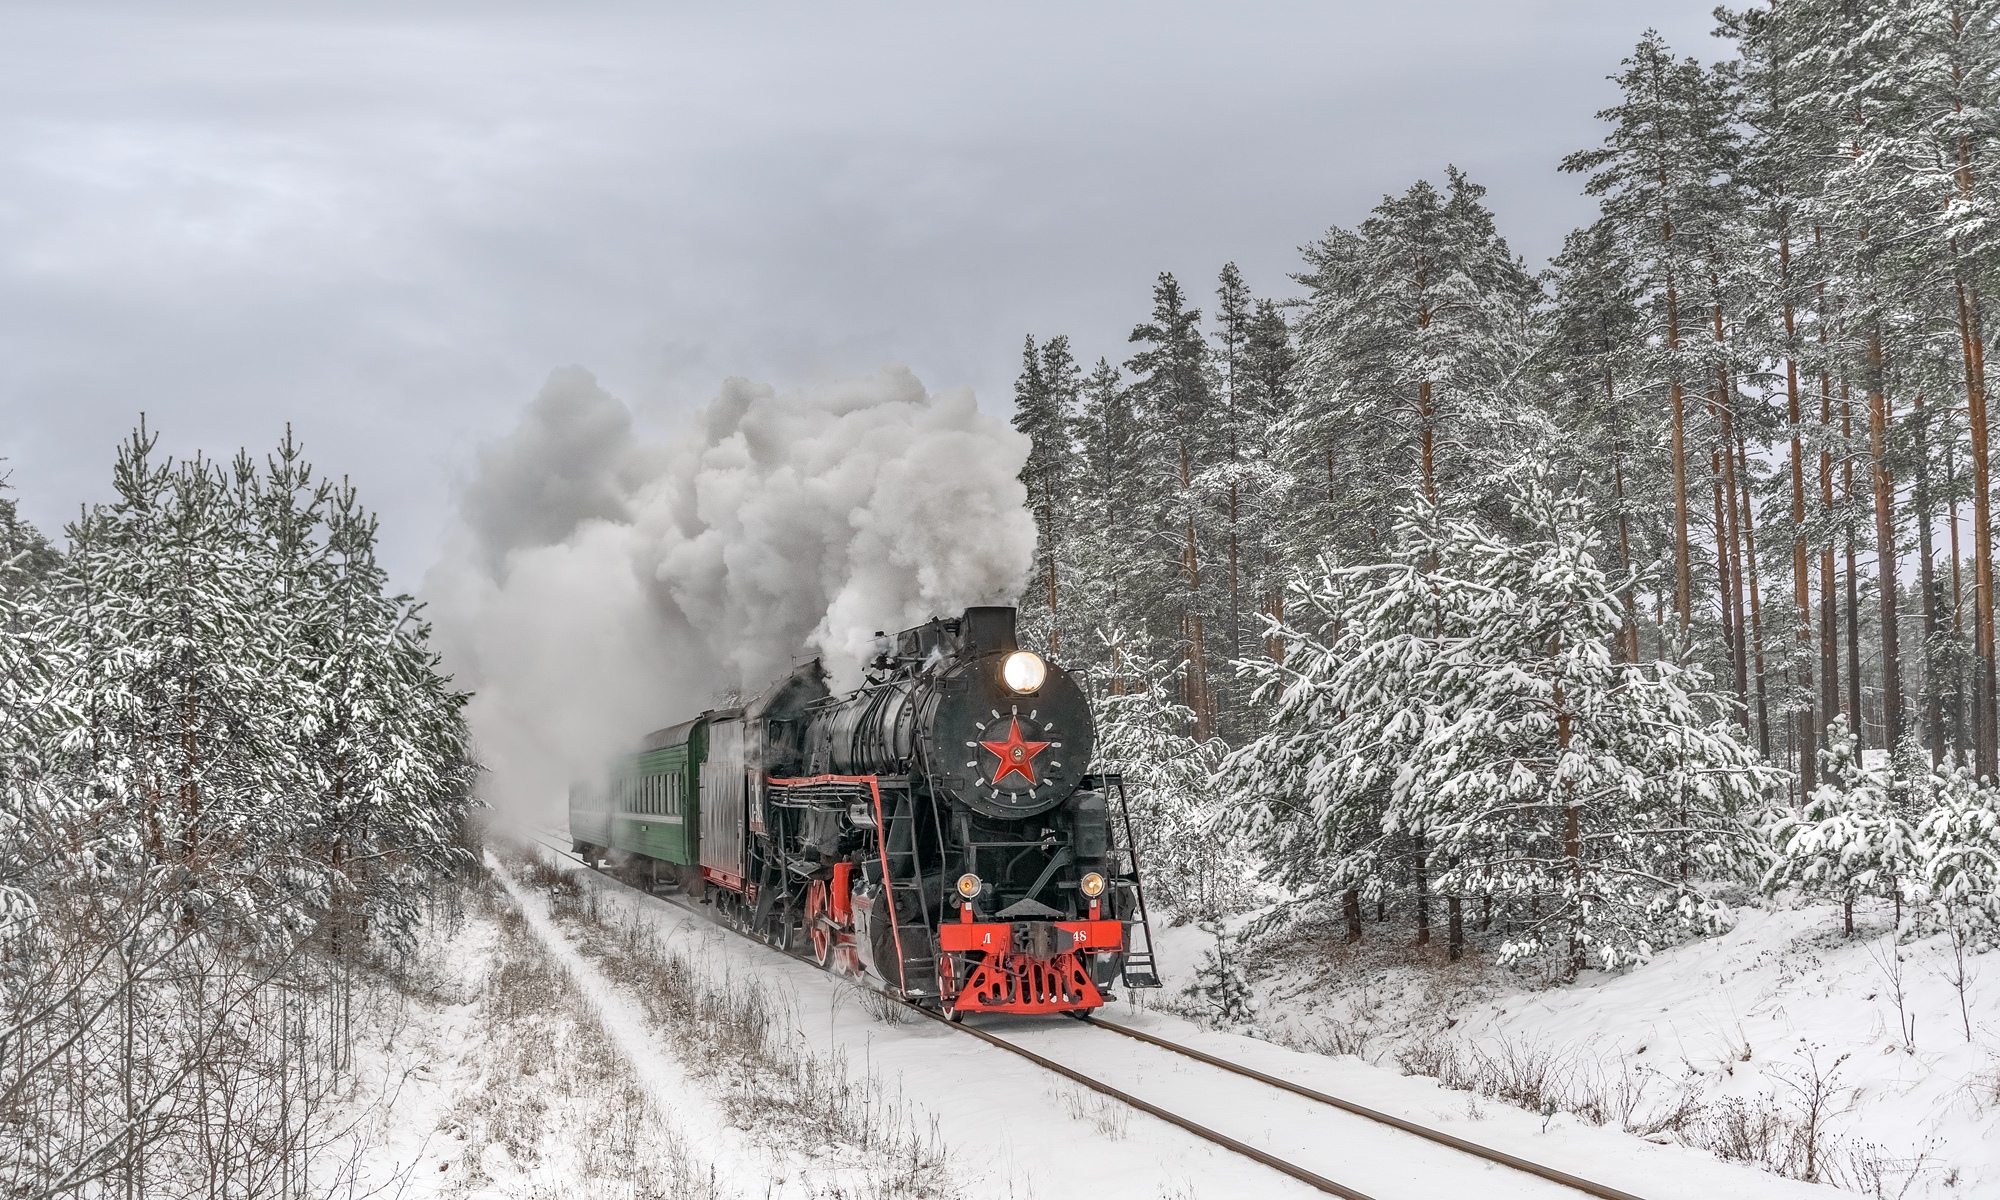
[(1011, 1128), (1782, 1044)]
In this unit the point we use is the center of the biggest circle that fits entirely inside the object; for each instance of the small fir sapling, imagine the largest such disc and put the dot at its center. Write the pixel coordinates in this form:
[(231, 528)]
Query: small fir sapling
[(1221, 991), (1961, 836), (1858, 832)]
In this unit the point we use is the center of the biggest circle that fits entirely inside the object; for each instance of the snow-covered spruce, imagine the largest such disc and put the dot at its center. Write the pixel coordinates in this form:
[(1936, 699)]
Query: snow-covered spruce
[(229, 771), (1924, 838), (1461, 713)]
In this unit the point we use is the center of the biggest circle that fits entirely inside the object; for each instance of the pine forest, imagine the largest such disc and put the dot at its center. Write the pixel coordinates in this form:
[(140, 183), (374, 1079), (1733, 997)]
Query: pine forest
[(1544, 602), (1552, 710)]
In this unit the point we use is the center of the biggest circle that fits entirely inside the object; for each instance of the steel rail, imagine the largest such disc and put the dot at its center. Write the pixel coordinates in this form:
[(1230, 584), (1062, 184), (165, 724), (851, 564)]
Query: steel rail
[(1310, 1178), (1348, 1106), (1150, 1109)]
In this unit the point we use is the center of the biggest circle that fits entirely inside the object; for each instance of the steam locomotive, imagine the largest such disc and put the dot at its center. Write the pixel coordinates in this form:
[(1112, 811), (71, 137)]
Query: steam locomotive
[(937, 831)]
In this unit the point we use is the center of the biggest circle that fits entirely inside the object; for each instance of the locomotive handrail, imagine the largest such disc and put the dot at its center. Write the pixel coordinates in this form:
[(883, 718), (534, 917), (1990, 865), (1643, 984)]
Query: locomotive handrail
[(1117, 779)]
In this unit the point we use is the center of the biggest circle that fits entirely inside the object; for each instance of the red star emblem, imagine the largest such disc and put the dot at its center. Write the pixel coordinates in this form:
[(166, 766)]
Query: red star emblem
[(1016, 756)]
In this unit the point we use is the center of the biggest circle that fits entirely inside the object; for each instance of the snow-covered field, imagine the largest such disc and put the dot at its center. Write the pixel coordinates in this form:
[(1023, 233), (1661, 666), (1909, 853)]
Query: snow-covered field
[(596, 1044), (1781, 1042)]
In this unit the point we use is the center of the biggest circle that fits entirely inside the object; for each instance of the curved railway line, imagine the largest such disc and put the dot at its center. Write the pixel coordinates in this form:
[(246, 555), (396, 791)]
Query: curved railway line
[(559, 847)]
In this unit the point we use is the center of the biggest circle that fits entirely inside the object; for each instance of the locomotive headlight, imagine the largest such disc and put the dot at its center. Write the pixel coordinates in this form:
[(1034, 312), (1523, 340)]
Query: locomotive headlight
[(1024, 670), (1092, 885), (969, 885)]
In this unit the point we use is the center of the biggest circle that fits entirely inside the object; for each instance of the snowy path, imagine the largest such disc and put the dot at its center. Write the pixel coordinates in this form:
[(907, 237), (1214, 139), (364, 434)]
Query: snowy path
[(737, 1165), (1015, 1130)]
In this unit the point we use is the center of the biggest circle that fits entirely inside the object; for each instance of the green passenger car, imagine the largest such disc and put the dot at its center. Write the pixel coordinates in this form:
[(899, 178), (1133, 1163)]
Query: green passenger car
[(650, 804)]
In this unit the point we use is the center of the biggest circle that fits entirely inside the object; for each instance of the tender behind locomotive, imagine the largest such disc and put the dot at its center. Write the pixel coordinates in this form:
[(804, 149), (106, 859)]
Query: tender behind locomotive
[(937, 829)]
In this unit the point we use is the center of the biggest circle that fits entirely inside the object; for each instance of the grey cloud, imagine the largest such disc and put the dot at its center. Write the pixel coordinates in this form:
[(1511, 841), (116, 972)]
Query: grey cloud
[(385, 223)]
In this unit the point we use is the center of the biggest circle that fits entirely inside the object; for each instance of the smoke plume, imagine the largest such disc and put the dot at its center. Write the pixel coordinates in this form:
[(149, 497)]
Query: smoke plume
[(597, 585)]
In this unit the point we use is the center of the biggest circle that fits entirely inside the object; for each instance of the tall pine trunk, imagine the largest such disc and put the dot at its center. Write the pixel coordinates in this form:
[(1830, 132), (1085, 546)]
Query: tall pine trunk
[(1628, 637), (1829, 622), (1927, 583), (1885, 539), (1986, 704), (1683, 588), (1958, 713), (1801, 572), (1726, 589), (1985, 737), (1739, 641), (1195, 685), (1855, 720), (1756, 601), (1725, 405)]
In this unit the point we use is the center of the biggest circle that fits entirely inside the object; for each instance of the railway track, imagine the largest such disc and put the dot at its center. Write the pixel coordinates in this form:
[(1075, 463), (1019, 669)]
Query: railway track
[(559, 847)]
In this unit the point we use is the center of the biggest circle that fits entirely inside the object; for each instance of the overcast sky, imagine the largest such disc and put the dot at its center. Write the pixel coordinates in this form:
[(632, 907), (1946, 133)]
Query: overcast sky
[(387, 224)]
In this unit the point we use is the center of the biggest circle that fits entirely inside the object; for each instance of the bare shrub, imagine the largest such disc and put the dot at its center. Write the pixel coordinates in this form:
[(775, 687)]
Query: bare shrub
[(1336, 1038), (884, 1008), (1109, 1117)]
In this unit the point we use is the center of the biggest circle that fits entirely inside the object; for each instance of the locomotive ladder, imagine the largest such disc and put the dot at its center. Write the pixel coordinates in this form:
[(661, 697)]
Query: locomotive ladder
[(904, 881), (1140, 971)]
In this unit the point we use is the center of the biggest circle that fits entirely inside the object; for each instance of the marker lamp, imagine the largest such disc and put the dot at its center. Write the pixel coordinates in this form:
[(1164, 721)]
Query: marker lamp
[(969, 885), (1024, 671), (1092, 885)]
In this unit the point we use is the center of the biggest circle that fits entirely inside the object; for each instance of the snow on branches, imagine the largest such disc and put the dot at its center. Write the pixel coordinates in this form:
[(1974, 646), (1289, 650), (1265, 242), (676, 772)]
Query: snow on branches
[(1926, 838), (1461, 713), (229, 770)]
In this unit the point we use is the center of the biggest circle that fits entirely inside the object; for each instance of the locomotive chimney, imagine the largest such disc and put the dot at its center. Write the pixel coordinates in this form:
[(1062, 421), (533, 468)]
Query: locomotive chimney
[(988, 629)]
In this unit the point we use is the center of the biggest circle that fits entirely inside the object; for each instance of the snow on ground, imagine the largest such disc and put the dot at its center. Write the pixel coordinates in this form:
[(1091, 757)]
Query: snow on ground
[(1729, 1044), (531, 1053), (1011, 1129), (481, 1073)]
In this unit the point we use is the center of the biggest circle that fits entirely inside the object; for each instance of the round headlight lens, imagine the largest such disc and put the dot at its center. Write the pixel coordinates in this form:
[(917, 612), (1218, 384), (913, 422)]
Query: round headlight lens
[(1024, 670), (1092, 885), (969, 885)]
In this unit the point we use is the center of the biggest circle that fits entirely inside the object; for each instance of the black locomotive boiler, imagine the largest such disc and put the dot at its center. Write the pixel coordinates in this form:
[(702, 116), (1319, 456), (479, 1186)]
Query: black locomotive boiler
[(937, 830)]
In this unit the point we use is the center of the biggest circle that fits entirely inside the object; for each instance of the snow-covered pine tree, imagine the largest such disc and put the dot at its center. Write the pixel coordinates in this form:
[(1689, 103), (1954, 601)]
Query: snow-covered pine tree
[(230, 767), (1660, 182), (1174, 396), (1588, 366), (1413, 325), (1116, 579), (1960, 837), (1170, 782), (1045, 397), (1233, 317), (1270, 491), (1468, 696), (1857, 833), (1220, 990)]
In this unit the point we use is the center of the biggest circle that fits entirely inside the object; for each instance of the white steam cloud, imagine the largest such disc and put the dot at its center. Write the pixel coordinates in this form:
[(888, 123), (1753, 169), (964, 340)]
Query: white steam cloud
[(597, 586)]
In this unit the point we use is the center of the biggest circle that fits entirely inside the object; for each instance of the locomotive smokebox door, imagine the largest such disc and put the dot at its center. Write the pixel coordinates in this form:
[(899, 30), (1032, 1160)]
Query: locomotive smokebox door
[(1012, 753)]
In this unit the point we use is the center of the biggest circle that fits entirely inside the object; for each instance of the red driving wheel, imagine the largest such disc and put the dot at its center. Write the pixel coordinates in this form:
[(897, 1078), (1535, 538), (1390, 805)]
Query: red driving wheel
[(819, 923)]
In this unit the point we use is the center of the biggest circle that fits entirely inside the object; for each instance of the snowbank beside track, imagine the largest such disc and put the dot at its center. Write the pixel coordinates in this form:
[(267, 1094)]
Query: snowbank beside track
[(1014, 1130), (1779, 1033)]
